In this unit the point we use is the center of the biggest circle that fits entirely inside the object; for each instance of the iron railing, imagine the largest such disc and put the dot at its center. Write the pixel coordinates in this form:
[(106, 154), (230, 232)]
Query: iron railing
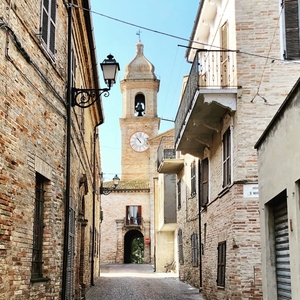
[(165, 150), (211, 70), (132, 221)]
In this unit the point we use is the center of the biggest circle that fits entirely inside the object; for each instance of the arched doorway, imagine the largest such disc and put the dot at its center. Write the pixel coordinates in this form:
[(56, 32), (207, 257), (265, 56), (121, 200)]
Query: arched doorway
[(133, 247)]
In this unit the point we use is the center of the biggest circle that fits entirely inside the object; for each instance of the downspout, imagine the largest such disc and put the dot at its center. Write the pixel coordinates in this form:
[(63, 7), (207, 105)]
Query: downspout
[(94, 205), (155, 179), (90, 32), (199, 219), (68, 158)]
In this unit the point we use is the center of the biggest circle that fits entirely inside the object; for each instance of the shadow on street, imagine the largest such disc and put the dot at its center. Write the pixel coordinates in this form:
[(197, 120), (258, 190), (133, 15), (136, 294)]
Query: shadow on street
[(139, 281)]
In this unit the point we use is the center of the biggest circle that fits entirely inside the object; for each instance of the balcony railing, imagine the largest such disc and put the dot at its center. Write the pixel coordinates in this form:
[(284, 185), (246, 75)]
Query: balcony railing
[(132, 221), (165, 150), (211, 70)]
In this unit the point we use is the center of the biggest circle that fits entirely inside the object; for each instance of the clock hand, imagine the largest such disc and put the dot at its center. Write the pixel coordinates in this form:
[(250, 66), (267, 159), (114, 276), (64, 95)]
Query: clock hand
[(138, 139)]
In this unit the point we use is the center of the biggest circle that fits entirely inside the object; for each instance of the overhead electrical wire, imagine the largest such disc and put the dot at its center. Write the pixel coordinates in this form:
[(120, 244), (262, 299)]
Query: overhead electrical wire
[(181, 38)]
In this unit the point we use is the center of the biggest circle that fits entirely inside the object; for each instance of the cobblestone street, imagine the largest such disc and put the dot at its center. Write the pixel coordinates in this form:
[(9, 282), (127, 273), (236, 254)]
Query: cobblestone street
[(138, 281)]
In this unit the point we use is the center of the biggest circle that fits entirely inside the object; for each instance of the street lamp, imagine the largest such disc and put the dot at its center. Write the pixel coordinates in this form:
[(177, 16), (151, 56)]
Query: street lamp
[(86, 97), (106, 190)]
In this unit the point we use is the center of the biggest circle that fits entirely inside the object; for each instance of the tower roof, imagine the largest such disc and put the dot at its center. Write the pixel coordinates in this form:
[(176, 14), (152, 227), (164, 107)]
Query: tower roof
[(140, 67)]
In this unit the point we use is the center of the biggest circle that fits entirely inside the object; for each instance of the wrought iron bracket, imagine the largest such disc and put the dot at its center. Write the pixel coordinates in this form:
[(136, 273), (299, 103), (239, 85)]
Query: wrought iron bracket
[(106, 191), (84, 98)]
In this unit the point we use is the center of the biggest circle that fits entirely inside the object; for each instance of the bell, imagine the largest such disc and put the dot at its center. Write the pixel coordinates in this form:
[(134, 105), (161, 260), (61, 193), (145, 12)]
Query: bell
[(139, 109)]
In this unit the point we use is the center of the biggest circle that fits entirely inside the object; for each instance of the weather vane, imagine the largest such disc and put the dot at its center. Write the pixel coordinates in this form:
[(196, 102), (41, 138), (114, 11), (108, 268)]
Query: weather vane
[(139, 34)]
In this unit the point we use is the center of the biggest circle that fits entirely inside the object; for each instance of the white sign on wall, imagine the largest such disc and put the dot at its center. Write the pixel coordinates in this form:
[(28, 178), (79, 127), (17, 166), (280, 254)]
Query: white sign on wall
[(251, 190)]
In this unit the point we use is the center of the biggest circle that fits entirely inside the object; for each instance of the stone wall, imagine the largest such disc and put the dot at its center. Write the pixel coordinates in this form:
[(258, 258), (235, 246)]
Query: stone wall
[(33, 141)]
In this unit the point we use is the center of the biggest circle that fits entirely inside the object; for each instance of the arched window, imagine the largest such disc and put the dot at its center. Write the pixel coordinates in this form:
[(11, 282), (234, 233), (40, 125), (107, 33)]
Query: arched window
[(139, 105)]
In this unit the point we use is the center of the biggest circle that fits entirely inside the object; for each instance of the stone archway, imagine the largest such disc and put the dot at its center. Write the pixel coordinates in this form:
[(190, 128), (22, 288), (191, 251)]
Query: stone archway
[(129, 237)]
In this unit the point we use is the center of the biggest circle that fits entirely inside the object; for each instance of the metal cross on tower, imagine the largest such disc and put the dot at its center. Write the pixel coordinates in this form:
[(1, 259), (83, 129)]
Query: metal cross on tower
[(139, 34)]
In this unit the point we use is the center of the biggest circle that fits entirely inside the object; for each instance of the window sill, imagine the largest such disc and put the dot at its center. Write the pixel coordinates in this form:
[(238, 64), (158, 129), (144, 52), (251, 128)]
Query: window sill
[(224, 191), (220, 287), (40, 279)]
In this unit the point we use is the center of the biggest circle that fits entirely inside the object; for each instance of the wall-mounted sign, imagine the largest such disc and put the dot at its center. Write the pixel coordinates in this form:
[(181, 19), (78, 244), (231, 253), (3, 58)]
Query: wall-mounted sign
[(251, 190)]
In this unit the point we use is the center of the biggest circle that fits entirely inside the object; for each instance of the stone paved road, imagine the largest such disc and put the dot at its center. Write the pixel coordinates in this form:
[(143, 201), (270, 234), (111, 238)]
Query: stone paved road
[(136, 282)]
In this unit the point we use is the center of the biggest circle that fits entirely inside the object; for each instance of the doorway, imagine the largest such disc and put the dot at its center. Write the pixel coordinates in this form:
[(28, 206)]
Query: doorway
[(281, 246), (133, 247)]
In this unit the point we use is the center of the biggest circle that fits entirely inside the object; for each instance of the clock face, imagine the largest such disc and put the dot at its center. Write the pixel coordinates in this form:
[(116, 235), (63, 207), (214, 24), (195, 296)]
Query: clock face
[(139, 141)]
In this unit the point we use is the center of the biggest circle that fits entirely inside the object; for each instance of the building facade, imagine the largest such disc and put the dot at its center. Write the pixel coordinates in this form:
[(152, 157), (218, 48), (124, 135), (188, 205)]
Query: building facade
[(49, 236), (279, 201), (239, 52), (128, 210)]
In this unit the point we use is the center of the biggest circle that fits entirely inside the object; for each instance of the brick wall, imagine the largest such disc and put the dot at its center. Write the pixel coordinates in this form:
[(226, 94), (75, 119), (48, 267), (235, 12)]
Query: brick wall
[(33, 140)]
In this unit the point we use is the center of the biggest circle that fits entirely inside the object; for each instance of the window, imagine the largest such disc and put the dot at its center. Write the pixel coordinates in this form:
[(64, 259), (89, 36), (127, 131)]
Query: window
[(179, 194), (291, 29), (221, 263), (194, 244), (193, 179), (224, 56), (180, 247), (227, 158), (48, 24), (133, 215), (38, 229), (204, 182)]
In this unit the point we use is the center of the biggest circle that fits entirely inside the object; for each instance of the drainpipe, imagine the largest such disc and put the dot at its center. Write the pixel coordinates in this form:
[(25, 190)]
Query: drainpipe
[(200, 238), (155, 179), (94, 205), (68, 153)]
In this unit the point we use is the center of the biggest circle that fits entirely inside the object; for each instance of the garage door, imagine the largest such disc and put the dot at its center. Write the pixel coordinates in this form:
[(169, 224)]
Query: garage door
[(282, 252)]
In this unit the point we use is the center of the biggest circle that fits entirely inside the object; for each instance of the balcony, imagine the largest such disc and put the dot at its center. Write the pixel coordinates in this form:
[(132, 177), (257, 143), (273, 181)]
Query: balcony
[(133, 218), (210, 92), (167, 162), (133, 222)]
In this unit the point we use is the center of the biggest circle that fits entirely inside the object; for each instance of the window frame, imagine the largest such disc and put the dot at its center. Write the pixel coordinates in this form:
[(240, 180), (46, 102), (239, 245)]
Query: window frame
[(38, 230), (48, 26), (221, 271), (139, 217), (179, 194), (204, 182), (193, 179), (291, 29), (194, 249), (226, 157), (180, 247)]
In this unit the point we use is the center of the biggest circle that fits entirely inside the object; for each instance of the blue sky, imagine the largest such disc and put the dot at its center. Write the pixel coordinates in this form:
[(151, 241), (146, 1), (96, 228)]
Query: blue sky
[(172, 17)]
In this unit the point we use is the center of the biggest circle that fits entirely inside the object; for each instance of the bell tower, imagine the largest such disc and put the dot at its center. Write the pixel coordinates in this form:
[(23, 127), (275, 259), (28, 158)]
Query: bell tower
[(139, 120)]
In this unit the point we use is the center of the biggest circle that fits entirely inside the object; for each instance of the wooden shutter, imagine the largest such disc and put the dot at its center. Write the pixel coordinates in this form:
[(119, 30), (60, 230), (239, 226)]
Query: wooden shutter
[(180, 247), (193, 179), (194, 242), (139, 216), (227, 158), (291, 16), (204, 182), (179, 194), (221, 263), (224, 56)]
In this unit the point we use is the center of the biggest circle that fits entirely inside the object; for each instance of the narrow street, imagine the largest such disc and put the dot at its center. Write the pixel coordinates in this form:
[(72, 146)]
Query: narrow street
[(139, 281)]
